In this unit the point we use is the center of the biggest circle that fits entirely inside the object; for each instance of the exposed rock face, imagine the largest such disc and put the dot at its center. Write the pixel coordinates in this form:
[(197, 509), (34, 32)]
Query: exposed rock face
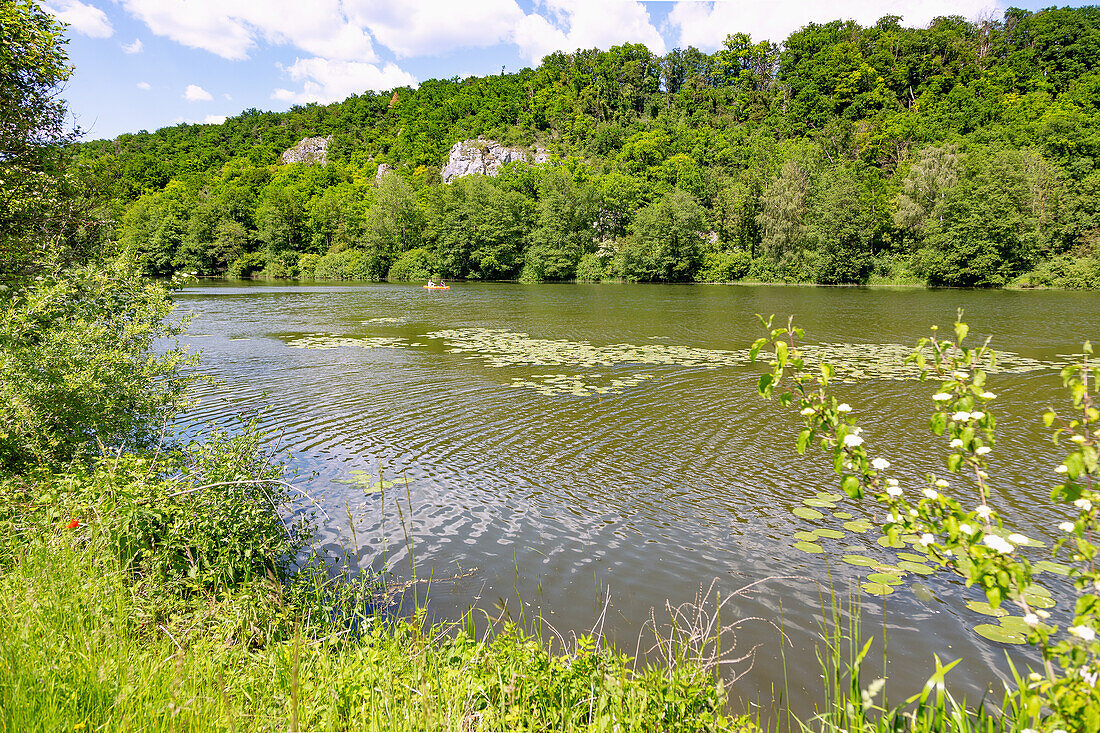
[(383, 169), (311, 151), (486, 157)]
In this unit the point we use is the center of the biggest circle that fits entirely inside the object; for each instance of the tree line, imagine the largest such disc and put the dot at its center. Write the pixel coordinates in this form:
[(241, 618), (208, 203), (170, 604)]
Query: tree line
[(964, 153)]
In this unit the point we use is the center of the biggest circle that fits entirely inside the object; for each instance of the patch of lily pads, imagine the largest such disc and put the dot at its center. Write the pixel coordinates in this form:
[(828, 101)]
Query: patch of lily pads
[(328, 341)]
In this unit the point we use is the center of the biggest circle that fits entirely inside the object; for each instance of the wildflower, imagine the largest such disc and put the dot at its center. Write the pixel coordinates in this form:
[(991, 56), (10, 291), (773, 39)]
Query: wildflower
[(977, 415), (926, 539), (983, 511), (1061, 469), (984, 450), (1018, 539), (880, 464), (853, 441), (988, 396), (891, 482), (960, 375), (941, 483), (961, 416), (893, 490), (998, 544), (1089, 675), (931, 493), (1082, 632), (1031, 619), (966, 528), (941, 397), (73, 524), (843, 407), (1083, 504), (957, 443), (1067, 526), (807, 411)]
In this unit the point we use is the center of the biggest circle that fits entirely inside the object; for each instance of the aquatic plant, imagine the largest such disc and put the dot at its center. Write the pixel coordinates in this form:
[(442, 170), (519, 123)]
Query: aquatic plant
[(968, 536)]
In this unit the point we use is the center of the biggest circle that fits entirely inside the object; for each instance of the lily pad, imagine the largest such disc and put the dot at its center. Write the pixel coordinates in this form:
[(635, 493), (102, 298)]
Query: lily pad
[(829, 497), (842, 515), (986, 609), (1037, 599), (860, 560), (831, 534), (877, 589), (822, 503), (807, 513), (810, 547), (923, 592), (911, 557), (996, 632), (858, 525), (915, 567), (805, 536), (1047, 566), (884, 578), (885, 542)]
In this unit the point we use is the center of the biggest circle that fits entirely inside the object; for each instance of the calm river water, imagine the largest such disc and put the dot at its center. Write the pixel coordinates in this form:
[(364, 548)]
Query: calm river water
[(564, 444)]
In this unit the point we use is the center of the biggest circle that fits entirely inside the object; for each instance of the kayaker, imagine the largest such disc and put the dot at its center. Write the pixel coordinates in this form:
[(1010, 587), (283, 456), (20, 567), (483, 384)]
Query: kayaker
[(441, 283), (430, 283)]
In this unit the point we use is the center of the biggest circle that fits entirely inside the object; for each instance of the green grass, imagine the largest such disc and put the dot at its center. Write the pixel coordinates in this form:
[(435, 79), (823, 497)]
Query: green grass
[(83, 648)]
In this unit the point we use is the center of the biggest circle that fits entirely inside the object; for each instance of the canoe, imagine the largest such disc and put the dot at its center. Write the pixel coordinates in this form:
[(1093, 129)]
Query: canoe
[(437, 287)]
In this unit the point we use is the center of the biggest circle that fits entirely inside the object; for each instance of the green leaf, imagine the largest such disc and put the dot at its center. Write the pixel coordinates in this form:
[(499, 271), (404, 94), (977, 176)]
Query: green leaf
[(851, 486), (764, 386), (781, 352), (806, 513), (938, 423)]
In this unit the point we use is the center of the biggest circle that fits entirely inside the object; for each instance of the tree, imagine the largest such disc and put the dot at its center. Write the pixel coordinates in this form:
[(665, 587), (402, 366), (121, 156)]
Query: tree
[(844, 227), (666, 243), (36, 208), (563, 231)]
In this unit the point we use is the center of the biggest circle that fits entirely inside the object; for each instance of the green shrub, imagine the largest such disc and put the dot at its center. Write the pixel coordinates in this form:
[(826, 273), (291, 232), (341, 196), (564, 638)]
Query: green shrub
[(247, 265), (416, 264), (307, 266), (350, 264), (722, 267), (591, 269), (1071, 273)]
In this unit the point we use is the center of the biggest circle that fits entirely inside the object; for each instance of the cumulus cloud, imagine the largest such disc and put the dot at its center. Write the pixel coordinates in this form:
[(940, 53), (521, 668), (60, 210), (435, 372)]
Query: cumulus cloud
[(143, 86), (134, 47), (195, 93), (214, 119), (429, 27), (327, 80), (82, 17), (566, 25), (706, 24)]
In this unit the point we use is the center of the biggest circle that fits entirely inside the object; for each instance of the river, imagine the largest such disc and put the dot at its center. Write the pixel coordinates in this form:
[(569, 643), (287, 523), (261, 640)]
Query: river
[(578, 451)]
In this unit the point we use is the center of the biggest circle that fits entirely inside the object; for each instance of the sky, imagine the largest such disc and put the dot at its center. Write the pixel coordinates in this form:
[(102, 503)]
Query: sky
[(147, 64)]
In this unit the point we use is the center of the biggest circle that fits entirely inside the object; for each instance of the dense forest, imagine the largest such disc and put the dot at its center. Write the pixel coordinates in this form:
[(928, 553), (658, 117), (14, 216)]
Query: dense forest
[(964, 153)]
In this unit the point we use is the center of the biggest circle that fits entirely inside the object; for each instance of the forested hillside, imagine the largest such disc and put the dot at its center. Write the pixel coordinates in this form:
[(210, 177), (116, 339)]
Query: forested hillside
[(958, 154)]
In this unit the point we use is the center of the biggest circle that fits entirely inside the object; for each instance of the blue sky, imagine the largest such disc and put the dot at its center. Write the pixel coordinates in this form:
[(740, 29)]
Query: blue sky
[(146, 64)]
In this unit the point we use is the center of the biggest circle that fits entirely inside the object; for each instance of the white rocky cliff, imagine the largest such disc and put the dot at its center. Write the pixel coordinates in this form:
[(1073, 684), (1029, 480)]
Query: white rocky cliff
[(311, 151), (486, 157)]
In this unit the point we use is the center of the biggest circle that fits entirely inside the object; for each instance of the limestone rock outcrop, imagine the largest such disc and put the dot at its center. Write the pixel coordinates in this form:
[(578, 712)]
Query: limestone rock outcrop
[(311, 151), (383, 170), (486, 157)]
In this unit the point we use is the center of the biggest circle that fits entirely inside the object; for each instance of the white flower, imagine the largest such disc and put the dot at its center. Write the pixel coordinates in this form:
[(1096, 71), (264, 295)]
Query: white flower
[(941, 483), (930, 493), (1082, 632), (891, 482), (985, 449), (1061, 469), (912, 512), (941, 397), (1018, 539), (926, 539), (966, 528), (977, 414), (988, 396), (957, 443), (996, 543), (880, 464), (983, 511), (961, 416), (893, 490), (1067, 526), (1083, 504), (1089, 675), (960, 375), (807, 411), (853, 441), (843, 407), (1031, 619)]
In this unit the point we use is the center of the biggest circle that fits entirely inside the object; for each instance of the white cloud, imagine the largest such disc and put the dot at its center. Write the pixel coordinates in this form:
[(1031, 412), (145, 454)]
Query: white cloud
[(84, 18), (325, 80), (566, 25), (431, 27), (134, 47), (213, 119), (144, 86), (706, 24), (195, 93), (228, 98)]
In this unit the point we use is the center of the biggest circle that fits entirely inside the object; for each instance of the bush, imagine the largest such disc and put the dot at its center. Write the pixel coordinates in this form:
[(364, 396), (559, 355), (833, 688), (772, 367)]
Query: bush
[(350, 264), (245, 266), (78, 366), (722, 267), (413, 265), (591, 269), (307, 266), (1071, 273)]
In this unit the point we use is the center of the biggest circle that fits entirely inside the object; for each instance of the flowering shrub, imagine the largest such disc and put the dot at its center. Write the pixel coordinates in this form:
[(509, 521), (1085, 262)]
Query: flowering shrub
[(956, 526)]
